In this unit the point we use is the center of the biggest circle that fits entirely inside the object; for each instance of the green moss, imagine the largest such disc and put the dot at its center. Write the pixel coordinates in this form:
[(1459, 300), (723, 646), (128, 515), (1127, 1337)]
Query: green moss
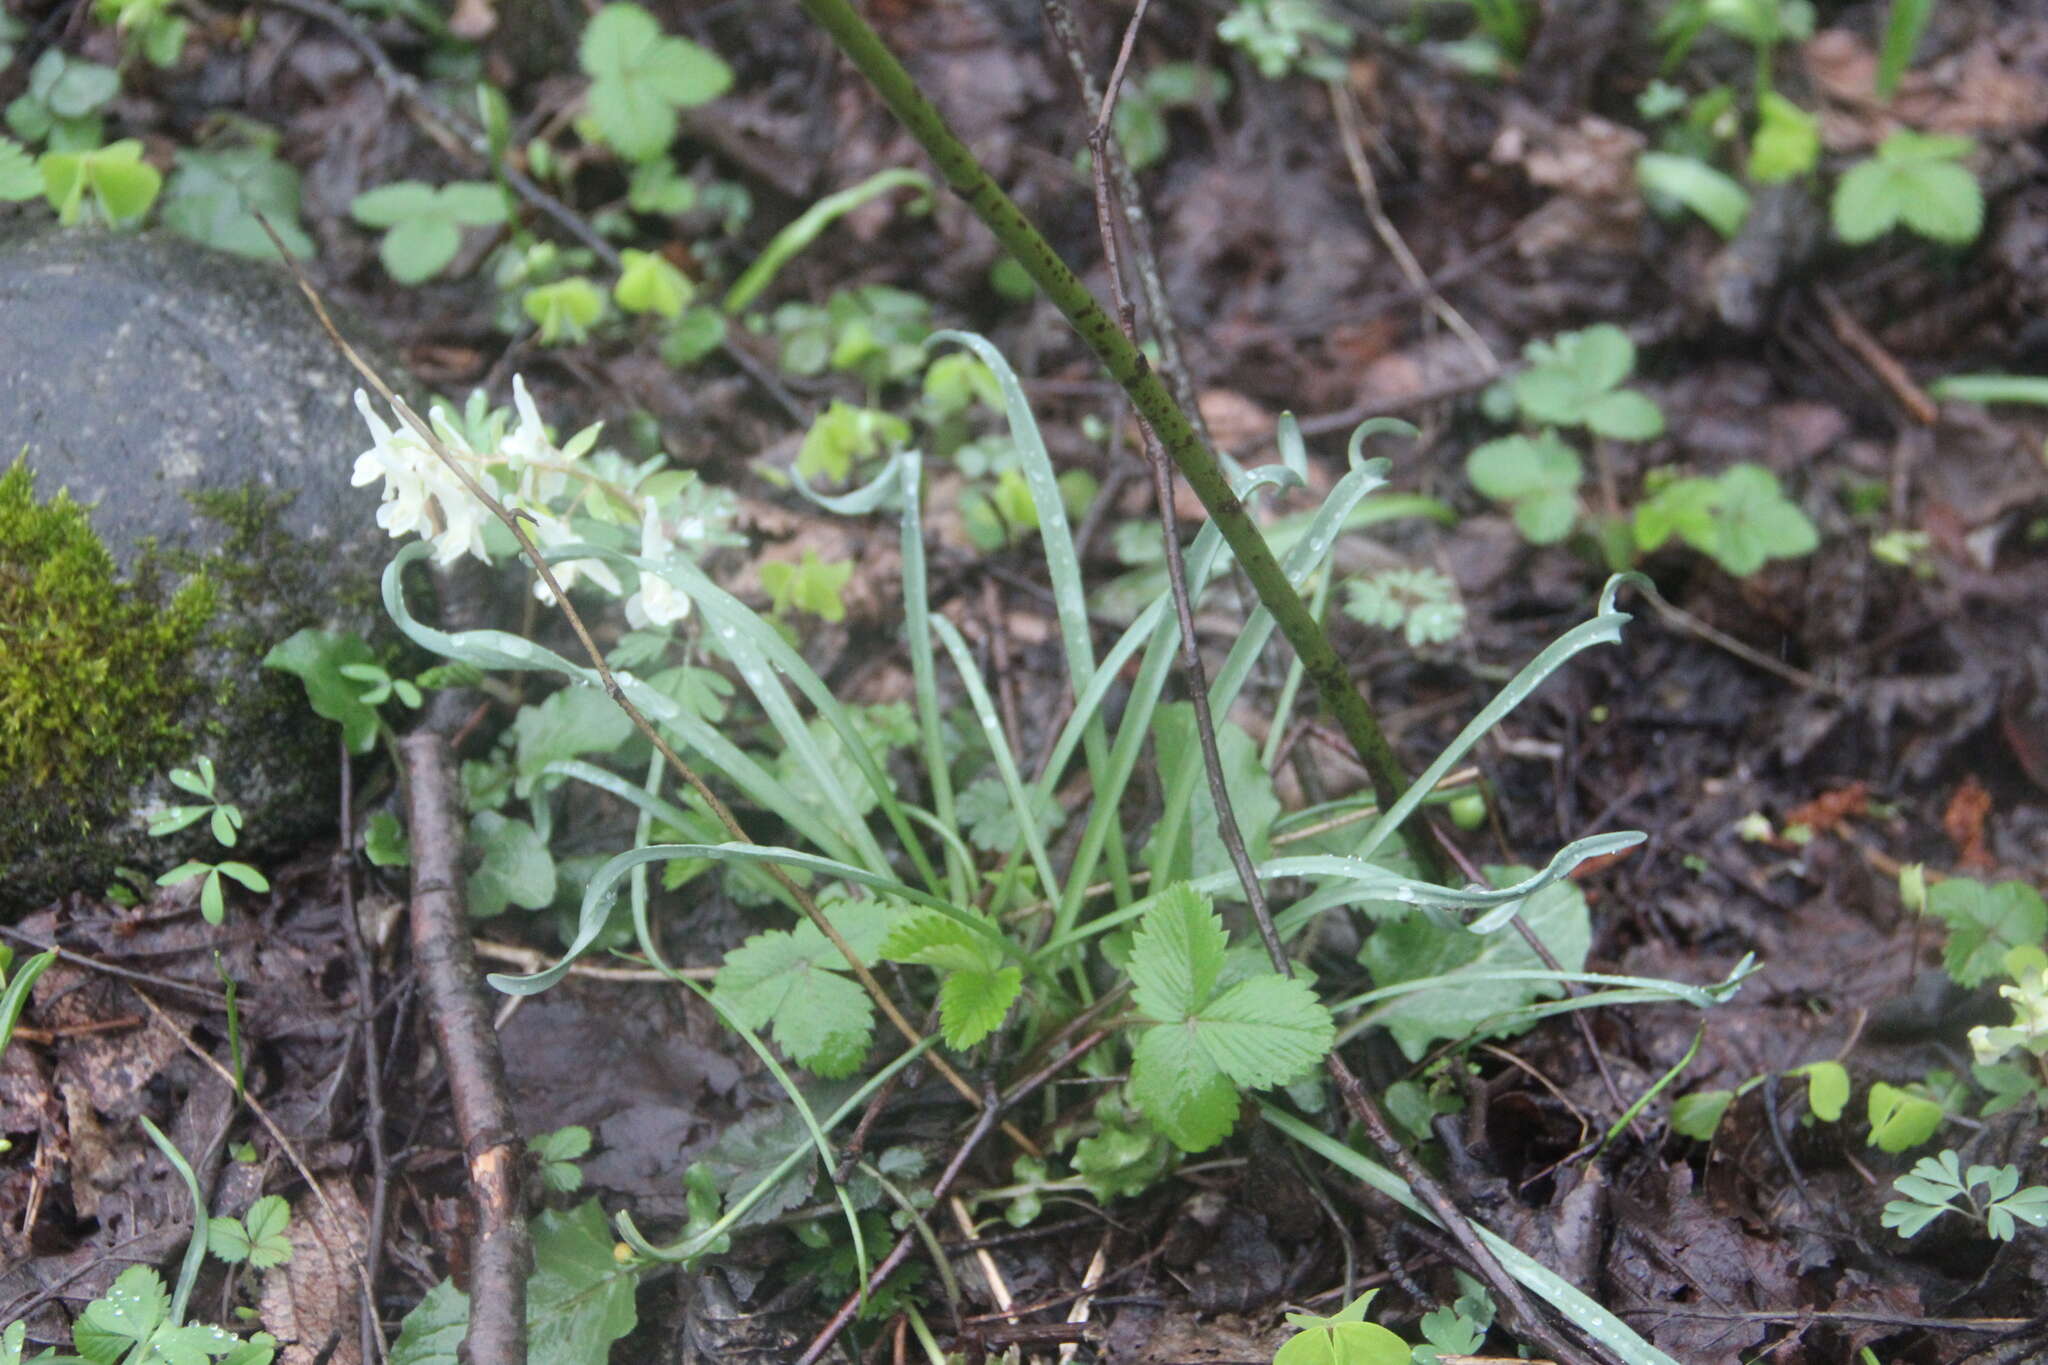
[(93, 671)]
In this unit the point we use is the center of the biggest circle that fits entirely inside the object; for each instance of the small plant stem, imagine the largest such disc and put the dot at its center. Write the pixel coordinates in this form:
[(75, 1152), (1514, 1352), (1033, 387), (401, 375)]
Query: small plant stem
[(1059, 16), (1149, 395), (719, 810), (1356, 1101)]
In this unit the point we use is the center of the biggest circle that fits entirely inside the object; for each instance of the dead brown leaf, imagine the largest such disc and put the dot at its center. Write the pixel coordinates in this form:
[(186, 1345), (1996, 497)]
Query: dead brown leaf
[(1963, 821), (1828, 810), (314, 1298)]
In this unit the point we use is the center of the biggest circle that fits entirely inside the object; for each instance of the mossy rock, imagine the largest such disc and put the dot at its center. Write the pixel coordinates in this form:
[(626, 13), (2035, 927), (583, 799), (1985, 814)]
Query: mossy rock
[(181, 504)]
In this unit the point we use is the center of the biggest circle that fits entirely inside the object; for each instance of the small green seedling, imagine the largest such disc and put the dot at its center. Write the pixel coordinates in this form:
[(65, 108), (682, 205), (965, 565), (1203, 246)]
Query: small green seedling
[(2028, 996), (797, 982), (261, 1237), (1900, 1119), (1987, 1195), (648, 283), (225, 818), (114, 180), (1280, 36), (1537, 476), (63, 101), (1699, 1114), (1787, 142), (844, 434), (815, 585), (134, 1320), (1574, 380), (1917, 181), (558, 1152), (640, 77), (1740, 519), (565, 310), (14, 988), (20, 178), (212, 900), (1343, 1338), (423, 223), (1421, 603), (1141, 112)]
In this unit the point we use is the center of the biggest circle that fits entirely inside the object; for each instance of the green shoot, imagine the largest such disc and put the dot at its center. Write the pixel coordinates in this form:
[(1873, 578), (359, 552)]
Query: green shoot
[(225, 818), (1740, 519), (558, 1152)]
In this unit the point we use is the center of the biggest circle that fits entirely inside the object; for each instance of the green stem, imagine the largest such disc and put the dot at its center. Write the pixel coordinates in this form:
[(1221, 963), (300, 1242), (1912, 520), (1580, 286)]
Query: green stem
[(1148, 394)]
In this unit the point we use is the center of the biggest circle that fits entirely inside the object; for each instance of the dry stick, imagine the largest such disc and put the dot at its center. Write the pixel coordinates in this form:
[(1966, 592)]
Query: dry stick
[(291, 1155), (1356, 1100), (1348, 120), (373, 1067), (1137, 223), (992, 1107), (712, 800), (1127, 364), (501, 1257)]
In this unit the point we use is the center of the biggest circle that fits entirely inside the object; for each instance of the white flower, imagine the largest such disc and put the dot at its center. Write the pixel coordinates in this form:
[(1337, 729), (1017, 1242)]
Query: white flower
[(659, 602), (527, 448), (421, 496), (550, 531)]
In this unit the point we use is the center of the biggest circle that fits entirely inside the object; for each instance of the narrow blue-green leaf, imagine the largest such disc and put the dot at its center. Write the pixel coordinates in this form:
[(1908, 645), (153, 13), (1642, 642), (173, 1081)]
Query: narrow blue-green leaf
[(195, 1249), (805, 229), (1992, 388), (15, 998), (1604, 628)]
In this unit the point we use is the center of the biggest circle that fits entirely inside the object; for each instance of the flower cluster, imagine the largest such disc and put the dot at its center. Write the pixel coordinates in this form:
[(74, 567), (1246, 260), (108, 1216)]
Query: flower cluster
[(568, 494)]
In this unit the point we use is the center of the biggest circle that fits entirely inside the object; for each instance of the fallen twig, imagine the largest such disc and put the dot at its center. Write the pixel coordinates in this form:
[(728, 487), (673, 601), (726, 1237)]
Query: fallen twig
[(501, 1257)]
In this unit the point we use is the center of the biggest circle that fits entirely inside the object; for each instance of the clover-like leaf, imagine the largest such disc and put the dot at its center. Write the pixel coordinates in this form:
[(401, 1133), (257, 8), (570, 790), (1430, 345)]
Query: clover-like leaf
[(1537, 476), (648, 283), (114, 177), (1917, 181), (213, 199), (640, 77), (423, 223)]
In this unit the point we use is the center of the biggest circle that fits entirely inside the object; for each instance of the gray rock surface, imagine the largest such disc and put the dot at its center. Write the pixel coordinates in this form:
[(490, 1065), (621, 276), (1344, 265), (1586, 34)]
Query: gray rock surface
[(194, 401)]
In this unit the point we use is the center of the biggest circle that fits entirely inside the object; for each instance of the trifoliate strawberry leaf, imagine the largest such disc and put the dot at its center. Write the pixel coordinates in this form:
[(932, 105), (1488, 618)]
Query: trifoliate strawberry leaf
[(1263, 1031), (1915, 180), (1984, 922), (259, 1237), (423, 222), (793, 982), (640, 77), (978, 989), (935, 940)]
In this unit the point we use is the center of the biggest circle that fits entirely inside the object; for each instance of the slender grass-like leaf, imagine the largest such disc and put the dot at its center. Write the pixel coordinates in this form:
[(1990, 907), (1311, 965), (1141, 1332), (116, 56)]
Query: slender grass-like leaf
[(1992, 388), (1605, 1328), (493, 649), (15, 998), (1671, 1074), (1655, 988), (785, 245), (596, 908), (195, 1249), (1604, 628), (999, 747)]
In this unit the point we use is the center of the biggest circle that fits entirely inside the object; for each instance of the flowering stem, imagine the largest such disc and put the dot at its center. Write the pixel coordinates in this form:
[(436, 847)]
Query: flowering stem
[(1127, 365), (717, 806)]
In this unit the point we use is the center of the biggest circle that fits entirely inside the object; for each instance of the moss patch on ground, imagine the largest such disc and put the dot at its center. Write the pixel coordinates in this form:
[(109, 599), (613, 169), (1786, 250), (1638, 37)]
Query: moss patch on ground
[(94, 671)]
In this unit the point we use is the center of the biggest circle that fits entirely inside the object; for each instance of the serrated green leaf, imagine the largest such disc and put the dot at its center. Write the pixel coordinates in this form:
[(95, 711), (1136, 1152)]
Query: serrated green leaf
[(1984, 922), (1176, 955), (934, 940), (791, 981), (1915, 180), (1181, 1089), (1265, 1031), (133, 1307), (972, 1003)]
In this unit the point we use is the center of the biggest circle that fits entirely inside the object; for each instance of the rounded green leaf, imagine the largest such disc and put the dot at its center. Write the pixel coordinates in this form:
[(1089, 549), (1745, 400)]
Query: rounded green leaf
[(471, 203), (648, 283), (1625, 415), (1698, 186), (419, 248), (389, 205)]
